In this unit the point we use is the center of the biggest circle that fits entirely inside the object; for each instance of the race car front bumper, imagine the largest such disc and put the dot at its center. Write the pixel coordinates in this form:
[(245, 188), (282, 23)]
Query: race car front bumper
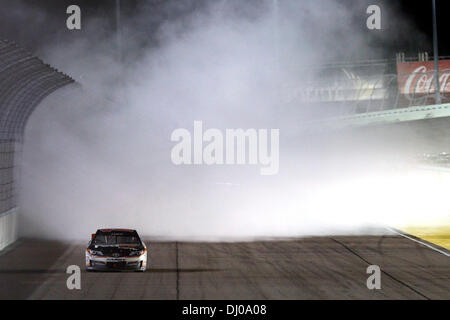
[(138, 263)]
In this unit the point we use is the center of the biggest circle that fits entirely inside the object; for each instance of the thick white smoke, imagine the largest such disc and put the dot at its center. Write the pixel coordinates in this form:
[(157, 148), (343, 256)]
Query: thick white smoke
[(93, 162)]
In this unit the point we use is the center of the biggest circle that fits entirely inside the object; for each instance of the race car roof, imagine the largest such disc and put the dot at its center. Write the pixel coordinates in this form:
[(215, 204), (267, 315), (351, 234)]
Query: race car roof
[(116, 229)]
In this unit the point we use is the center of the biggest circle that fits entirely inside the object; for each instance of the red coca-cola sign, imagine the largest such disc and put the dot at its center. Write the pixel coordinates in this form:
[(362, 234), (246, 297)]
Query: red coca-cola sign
[(417, 78)]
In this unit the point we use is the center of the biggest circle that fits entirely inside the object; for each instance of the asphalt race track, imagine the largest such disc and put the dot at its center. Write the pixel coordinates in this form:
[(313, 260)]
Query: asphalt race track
[(308, 268)]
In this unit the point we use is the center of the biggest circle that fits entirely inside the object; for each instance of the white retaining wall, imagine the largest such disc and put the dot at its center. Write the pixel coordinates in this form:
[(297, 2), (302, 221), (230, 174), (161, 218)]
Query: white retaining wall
[(8, 227)]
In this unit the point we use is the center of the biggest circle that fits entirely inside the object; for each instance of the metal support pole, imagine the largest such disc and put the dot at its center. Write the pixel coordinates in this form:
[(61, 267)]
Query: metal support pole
[(437, 90)]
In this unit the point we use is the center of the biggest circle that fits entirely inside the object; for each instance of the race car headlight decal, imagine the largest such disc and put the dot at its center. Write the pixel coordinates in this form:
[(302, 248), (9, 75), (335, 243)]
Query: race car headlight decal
[(95, 252), (138, 253)]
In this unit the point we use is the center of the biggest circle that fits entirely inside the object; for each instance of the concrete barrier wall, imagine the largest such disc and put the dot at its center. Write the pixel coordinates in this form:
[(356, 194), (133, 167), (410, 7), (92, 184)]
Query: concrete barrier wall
[(8, 227)]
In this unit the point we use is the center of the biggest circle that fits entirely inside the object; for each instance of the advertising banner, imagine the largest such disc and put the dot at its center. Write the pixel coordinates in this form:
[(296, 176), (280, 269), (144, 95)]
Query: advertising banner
[(417, 78), (346, 84)]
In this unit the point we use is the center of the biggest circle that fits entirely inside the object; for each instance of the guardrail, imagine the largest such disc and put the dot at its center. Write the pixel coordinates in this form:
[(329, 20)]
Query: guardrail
[(380, 117)]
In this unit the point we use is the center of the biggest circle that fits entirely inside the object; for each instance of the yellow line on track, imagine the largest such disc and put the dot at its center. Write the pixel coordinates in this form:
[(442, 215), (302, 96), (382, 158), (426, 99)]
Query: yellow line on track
[(437, 233)]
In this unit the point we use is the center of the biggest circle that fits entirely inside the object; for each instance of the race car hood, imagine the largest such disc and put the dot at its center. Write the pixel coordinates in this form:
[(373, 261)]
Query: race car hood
[(116, 250)]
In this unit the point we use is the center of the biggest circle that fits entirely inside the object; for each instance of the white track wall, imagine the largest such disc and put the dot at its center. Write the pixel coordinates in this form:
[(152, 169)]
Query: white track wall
[(8, 227)]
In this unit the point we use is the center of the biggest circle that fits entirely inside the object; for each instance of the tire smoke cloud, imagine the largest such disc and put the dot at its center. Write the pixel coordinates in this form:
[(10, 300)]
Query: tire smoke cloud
[(99, 156)]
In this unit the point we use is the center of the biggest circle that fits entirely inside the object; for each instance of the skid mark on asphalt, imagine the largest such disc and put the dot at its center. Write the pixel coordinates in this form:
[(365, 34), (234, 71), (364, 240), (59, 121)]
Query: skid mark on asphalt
[(383, 271)]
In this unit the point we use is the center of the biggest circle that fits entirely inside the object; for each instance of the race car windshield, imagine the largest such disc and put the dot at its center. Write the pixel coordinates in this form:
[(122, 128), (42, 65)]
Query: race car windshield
[(115, 238)]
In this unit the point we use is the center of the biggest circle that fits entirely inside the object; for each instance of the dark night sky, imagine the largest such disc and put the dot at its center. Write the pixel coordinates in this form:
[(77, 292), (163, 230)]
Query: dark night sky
[(420, 12), (33, 30)]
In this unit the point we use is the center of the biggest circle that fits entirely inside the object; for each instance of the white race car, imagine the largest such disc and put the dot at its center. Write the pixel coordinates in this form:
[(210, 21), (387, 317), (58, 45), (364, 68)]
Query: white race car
[(116, 249)]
